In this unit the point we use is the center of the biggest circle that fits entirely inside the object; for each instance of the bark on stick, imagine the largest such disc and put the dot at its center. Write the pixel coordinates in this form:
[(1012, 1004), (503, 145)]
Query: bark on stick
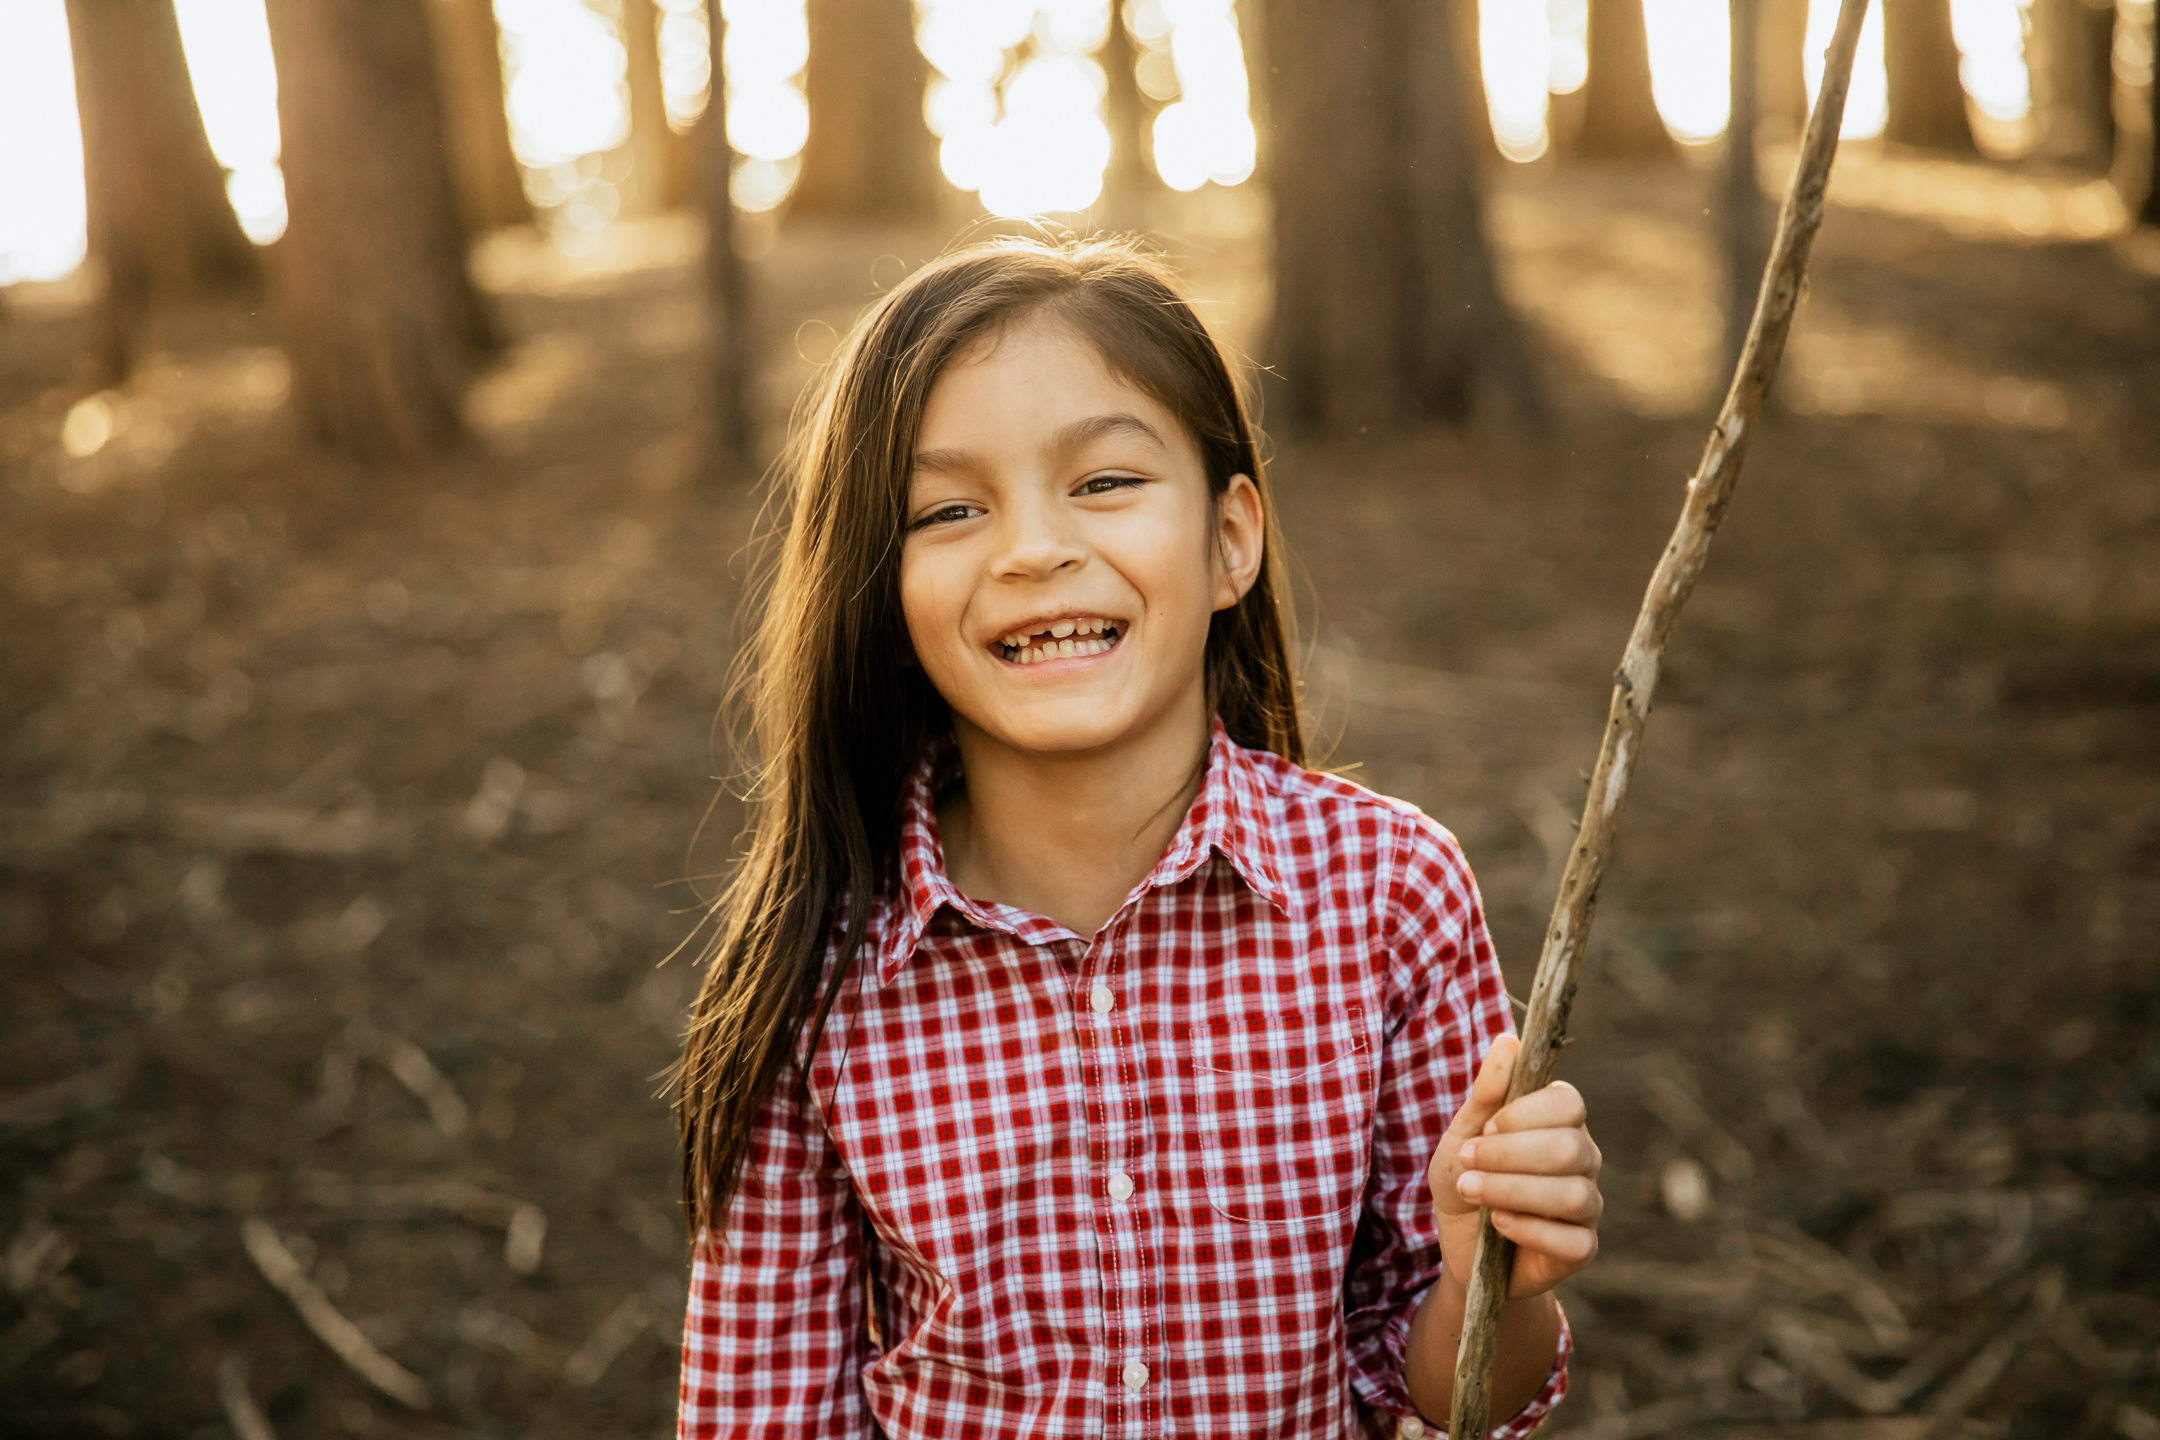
[(1708, 493)]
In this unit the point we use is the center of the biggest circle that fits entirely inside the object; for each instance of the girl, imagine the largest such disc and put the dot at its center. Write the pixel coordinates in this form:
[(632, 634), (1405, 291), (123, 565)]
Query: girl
[(1069, 1060)]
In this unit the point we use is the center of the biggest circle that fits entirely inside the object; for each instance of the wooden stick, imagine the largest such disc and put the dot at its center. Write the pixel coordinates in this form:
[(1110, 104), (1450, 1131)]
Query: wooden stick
[(1708, 493), (345, 1339)]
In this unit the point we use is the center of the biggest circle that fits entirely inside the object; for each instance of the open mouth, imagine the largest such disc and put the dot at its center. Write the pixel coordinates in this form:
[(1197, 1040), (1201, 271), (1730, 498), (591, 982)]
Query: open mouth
[(1063, 640)]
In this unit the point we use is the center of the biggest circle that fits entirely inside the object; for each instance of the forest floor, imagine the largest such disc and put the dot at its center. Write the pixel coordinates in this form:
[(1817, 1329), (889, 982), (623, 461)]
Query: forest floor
[(343, 815)]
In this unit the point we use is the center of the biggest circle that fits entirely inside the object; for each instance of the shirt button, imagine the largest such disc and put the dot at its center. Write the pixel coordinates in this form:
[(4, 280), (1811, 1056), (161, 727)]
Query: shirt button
[(1135, 1375), (1410, 1428), (1101, 999), (1121, 1187)]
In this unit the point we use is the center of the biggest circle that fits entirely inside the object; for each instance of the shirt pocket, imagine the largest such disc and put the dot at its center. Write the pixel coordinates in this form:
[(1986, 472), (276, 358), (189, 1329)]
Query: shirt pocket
[(1283, 1121)]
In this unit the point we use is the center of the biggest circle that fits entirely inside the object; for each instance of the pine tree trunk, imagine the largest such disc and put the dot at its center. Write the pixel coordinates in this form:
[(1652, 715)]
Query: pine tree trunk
[(1743, 218), (1927, 100), (2070, 51), (159, 221), (729, 366), (382, 321), (1386, 305), (1620, 116), (870, 156), (1781, 70), (658, 159), (468, 52), (2145, 131), (1130, 176)]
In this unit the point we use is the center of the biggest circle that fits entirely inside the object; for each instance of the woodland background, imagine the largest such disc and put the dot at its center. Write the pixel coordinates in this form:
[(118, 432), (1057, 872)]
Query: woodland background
[(366, 599)]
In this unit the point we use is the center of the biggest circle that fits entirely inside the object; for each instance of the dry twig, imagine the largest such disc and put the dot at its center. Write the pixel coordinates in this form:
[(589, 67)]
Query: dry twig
[(345, 1339), (241, 1412), (1708, 493)]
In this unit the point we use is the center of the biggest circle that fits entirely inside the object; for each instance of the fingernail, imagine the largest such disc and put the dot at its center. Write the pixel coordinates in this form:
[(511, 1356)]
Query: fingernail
[(1471, 1185), (1469, 1155)]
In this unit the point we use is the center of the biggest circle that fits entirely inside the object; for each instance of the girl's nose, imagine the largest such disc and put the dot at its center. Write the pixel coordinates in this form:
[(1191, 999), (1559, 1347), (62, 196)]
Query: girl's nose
[(1037, 540)]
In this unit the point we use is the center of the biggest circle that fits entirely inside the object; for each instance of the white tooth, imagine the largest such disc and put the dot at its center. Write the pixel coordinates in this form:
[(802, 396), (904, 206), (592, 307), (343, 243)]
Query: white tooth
[(1096, 647), (1064, 647), (1093, 627), (1062, 629), (1016, 641)]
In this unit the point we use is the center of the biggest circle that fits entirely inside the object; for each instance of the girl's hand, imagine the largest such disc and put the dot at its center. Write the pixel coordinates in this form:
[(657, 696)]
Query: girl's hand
[(1533, 1162)]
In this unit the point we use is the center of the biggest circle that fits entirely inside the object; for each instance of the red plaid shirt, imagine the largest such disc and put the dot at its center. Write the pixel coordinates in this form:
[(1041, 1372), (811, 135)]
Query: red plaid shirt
[(1170, 1180)]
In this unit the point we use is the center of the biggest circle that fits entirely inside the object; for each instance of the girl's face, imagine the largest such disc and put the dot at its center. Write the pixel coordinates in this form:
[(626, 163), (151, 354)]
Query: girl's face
[(1062, 558)]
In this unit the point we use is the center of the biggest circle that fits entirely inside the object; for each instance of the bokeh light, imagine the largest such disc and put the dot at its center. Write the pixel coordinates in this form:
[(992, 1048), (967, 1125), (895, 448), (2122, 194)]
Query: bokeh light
[(235, 80), (1690, 65), (685, 62), (1991, 40), (1867, 102), (1515, 50), (41, 175)]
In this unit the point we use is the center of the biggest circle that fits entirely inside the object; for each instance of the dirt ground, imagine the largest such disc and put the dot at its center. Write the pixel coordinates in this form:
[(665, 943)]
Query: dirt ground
[(344, 815)]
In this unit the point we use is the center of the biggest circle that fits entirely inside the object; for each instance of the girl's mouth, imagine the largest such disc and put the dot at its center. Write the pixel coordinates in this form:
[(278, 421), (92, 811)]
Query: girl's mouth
[(1066, 639)]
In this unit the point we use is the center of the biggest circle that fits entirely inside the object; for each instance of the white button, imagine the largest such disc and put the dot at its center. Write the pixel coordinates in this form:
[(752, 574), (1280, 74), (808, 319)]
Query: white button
[(1101, 999), (1409, 1428), (1121, 1187), (1135, 1375)]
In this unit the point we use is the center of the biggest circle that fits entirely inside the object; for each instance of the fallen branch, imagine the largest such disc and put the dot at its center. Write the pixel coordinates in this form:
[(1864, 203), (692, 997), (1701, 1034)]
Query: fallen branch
[(241, 1412), (1708, 493), (345, 1339)]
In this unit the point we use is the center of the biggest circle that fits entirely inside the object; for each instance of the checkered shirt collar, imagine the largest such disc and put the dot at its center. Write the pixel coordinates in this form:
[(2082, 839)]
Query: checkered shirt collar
[(1230, 816)]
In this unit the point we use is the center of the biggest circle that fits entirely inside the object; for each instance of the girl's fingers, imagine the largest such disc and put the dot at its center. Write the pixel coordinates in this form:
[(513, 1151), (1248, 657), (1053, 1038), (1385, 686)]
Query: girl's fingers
[(1488, 1092), (1571, 1245), (1536, 1152), (1556, 1107), (1571, 1198)]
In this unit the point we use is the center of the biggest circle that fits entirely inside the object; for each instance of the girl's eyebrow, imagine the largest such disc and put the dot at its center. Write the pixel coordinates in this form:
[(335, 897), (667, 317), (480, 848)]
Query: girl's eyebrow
[(1069, 437)]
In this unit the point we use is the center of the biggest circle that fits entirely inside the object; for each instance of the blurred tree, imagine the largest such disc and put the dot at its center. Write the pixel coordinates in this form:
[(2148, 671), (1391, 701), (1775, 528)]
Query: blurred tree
[(382, 321), (2070, 52), (159, 222), (1927, 100), (1130, 176), (1781, 71), (1743, 217), (659, 158), (729, 368), (468, 53), (1620, 117), (1387, 307), (870, 156)]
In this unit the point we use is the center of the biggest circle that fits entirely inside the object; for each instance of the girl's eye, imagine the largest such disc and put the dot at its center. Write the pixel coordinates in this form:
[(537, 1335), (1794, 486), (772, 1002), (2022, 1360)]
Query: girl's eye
[(946, 515), (1109, 484)]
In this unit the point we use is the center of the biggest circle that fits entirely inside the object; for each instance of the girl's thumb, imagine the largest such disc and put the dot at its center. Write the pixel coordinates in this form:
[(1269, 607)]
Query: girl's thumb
[(1488, 1092)]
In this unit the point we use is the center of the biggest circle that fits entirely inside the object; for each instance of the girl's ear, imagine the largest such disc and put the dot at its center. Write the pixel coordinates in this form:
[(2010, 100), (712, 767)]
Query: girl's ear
[(1240, 540)]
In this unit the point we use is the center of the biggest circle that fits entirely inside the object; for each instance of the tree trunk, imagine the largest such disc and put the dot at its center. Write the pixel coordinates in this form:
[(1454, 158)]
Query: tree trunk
[(1129, 176), (729, 367), (381, 318), (2070, 50), (1781, 70), (870, 156), (1386, 303), (2136, 168), (1927, 100), (468, 53), (658, 159), (1743, 219), (158, 217), (1620, 116)]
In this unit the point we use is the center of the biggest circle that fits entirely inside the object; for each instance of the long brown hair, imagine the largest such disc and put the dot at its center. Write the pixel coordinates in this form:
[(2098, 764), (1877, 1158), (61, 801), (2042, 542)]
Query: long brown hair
[(837, 721)]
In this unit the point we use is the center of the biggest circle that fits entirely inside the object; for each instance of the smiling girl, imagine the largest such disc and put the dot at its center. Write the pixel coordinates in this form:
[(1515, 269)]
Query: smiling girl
[(1070, 1061)]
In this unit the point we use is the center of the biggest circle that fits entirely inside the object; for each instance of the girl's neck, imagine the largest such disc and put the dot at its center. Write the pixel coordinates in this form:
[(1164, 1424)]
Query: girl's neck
[(1067, 836)]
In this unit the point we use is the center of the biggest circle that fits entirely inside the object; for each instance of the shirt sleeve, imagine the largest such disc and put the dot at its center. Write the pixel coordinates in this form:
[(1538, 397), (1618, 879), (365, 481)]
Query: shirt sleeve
[(775, 1339), (1447, 1003)]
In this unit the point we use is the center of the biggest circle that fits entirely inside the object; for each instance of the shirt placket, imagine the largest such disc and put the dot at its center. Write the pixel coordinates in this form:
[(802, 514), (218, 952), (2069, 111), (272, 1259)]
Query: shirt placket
[(1117, 1182)]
